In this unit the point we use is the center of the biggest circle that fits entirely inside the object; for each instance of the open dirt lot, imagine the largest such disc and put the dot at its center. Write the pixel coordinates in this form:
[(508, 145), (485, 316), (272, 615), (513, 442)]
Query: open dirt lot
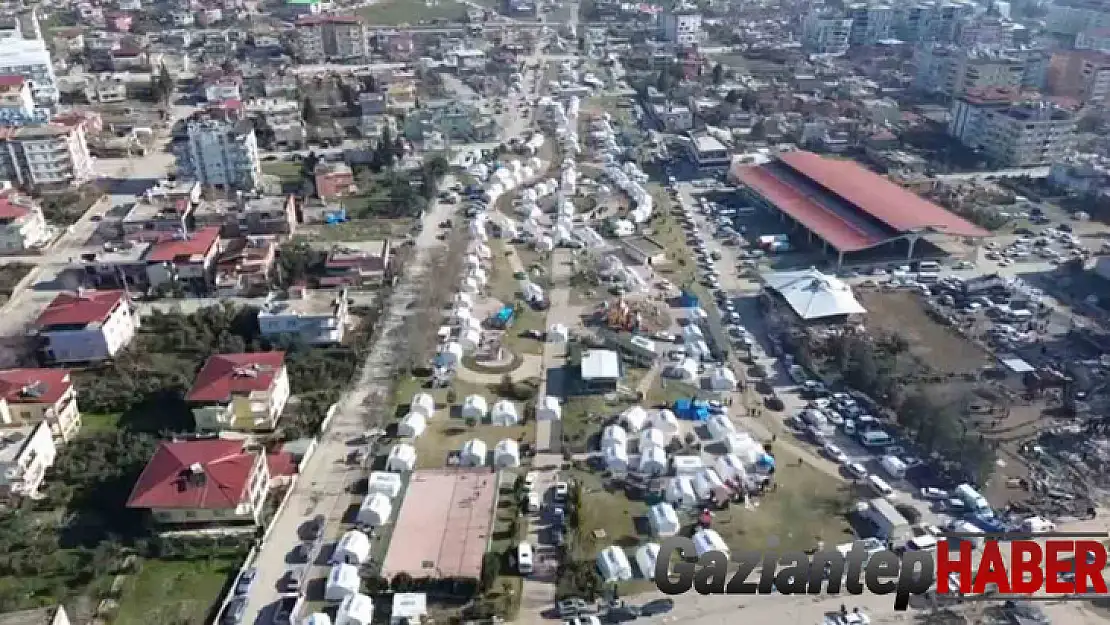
[(939, 347)]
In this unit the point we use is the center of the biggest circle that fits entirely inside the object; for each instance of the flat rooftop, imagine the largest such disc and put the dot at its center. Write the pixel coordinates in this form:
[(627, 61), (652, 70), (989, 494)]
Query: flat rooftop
[(305, 303), (708, 143), (445, 524), (12, 441)]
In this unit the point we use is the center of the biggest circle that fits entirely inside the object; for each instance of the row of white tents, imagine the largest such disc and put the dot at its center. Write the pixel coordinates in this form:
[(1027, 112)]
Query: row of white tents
[(614, 566), (354, 608)]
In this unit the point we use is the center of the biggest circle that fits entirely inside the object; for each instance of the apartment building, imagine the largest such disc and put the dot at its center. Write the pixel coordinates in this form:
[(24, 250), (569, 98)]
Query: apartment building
[(317, 318), (279, 120), (22, 225), (45, 155), (682, 27), (826, 34), (240, 392), (26, 452), (1093, 39), (31, 397), (86, 326), (249, 215), (1071, 17), (30, 58), (220, 153), (187, 259), (932, 21), (1010, 132), (871, 23), (330, 37), (954, 71), (15, 96), (210, 481), (162, 210), (1081, 74)]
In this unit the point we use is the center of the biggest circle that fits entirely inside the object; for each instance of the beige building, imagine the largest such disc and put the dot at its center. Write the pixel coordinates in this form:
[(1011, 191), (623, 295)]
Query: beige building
[(33, 396), (240, 392), (1011, 133), (1081, 74), (26, 452), (331, 37), (953, 71), (22, 225), (317, 318), (46, 155)]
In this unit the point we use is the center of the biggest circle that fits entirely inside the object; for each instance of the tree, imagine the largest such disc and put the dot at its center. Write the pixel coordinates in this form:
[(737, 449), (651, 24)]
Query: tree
[(718, 74), (309, 113), (664, 82), (733, 96), (432, 171)]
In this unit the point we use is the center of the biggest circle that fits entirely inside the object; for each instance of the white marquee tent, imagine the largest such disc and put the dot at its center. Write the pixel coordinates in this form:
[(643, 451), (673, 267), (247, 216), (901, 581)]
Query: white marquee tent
[(634, 418), (653, 461), (504, 413), (706, 482), (352, 548), (719, 426), (475, 407), (402, 457), (707, 539), (814, 295), (343, 581), (613, 565), (356, 609), (615, 456), (663, 420), (652, 437), (722, 379), (680, 492), (375, 510), (548, 409), (613, 434), (388, 484), (646, 557), (424, 404), (729, 467), (687, 465), (664, 520), (506, 454), (558, 333), (473, 453), (413, 425)]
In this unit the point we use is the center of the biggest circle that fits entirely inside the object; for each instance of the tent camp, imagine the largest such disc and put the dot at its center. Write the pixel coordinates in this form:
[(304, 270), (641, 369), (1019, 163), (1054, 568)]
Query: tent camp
[(450, 355), (474, 407), (707, 483), (664, 520), (613, 434), (558, 333), (634, 418), (719, 426), (680, 492), (663, 420), (504, 413), (646, 557), (687, 465), (615, 456), (470, 339), (412, 426), (388, 484), (613, 565), (548, 408), (343, 581), (814, 295), (473, 453), (653, 461), (356, 609), (729, 467), (686, 371), (423, 404), (506, 454), (375, 510), (652, 437), (744, 447), (352, 548), (707, 539), (402, 457), (722, 379)]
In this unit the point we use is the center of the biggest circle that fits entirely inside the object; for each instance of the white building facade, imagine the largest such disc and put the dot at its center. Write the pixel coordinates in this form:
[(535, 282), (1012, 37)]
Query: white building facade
[(221, 154), (30, 58), (45, 155)]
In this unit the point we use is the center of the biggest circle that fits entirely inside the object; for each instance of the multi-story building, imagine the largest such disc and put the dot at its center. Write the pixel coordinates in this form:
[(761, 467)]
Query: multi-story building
[(188, 259), (223, 88), (1081, 74), (871, 23), (86, 326), (278, 119), (315, 318), (45, 155), (30, 58), (210, 481), (244, 265), (15, 96), (162, 210), (330, 37), (682, 27), (240, 392), (33, 396), (248, 215), (1012, 133), (220, 153), (985, 31), (1071, 17), (22, 225), (953, 71), (1093, 39), (672, 117), (938, 21), (26, 452), (826, 34)]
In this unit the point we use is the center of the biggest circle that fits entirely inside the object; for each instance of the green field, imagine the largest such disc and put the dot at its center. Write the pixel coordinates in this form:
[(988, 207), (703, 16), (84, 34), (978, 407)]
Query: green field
[(397, 12), (175, 591)]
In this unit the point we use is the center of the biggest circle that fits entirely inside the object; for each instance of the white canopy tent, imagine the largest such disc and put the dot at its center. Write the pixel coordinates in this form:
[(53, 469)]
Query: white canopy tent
[(506, 454), (653, 461), (615, 456), (814, 295), (343, 581), (722, 379), (663, 420), (687, 465), (613, 434), (652, 437), (412, 426), (352, 548), (687, 370), (424, 404), (504, 413), (613, 565), (356, 609), (451, 354), (475, 407), (664, 520), (375, 510), (646, 557), (402, 457), (744, 447), (719, 426), (548, 409), (707, 539), (558, 333), (680, 492), (384, 482), (473, 453), (634, 418), (729, 467), (317, 618), (706, 482)]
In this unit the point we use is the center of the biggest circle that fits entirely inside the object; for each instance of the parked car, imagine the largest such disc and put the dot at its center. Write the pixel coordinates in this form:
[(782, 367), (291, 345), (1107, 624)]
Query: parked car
[(572, 606), (246, 580), (834, 453), (233, 613), (658, 606), (562, 489), (857, 470), (933, 493)]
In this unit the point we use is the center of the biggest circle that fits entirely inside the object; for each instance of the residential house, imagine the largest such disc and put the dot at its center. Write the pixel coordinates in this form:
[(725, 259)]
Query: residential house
[(278, 121), (243, 266), (22, 225), (188, 260), (240, 392), (86, 326), (33, 396), (26, 452), (672, 117), (249, 214), (334, 180), (224, 88), (203, 481), (164, 209), (45, 156), (315, 317), (356, 268)]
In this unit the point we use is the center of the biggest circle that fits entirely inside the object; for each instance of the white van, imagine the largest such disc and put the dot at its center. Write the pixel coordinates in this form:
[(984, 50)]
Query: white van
[(880, 486), (922, 543), (524, 564), (928, 266)]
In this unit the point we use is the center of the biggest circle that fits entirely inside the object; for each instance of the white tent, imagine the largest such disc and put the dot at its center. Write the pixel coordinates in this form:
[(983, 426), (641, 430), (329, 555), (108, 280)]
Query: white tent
[(692, 332), (652, 437), (469, 285), (506, 454), (698, 349), (461, 313), (358, 609), (424, 404), (814, 295), (401, 458), (744, 447), (388, 484), (614, 434), (680, 491), (615, 457), (729, 467), (687, 465), (504, 413), (613, 565), (317, 618), (653, 461), (687, 370), (634, 418), (463, 300), (343, 581), (719, 426), (548, 409), (706, 482), (532, 292), (722, 379), (474, 407), (412, 426), (707, 539), (473, 453), (646, 557), (663, 420), (352, 548), (470, 339), (374, 510), (558, 333), (664, 520), (544, 243), (468, 324), (451, 354)]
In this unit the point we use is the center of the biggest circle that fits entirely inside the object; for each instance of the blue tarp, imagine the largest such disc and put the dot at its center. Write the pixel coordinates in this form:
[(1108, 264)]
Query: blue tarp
[(687, 300), (766, 461), (691, 410)]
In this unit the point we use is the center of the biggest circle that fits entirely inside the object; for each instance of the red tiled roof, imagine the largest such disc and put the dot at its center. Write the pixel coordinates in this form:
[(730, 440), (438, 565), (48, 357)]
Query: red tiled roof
[(12, 211), (281, 464), (898, 208), (9, 80), (184, 250), (34, 386), (168, 482), (227, 374), (80, 308)]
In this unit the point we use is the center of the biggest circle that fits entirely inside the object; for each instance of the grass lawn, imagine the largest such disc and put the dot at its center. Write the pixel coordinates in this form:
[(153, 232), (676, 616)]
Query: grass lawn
[(93, 422), (175, 591), (287, 171), (358, 230), (528, 319), (664, 391), (396, 12), (447, 434), (583, 416)]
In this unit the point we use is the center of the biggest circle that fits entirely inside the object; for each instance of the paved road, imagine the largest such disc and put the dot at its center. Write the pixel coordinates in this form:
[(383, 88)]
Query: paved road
[(322, 486)]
